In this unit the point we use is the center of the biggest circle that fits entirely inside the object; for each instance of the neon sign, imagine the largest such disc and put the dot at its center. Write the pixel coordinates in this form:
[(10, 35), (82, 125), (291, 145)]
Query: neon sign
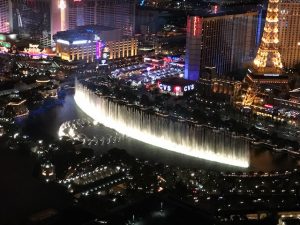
[(98, 49), (177, 89), (268, 106), (189, 87), (165, 87)]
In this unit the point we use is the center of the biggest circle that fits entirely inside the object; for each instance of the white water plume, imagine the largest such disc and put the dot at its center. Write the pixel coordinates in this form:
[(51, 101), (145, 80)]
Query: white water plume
[(168, 133)]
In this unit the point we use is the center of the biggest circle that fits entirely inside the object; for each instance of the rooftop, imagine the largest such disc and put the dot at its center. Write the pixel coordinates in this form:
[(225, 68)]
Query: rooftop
[(220, 13), (82, 33)]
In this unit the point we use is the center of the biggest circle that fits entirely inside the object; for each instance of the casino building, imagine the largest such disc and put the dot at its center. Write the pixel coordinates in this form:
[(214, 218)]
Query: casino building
[(122, 48), (94, 42)]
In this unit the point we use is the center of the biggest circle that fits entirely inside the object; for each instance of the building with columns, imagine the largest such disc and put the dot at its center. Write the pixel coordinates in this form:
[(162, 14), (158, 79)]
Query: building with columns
[(289, 32), (94, 42), (122, 48)]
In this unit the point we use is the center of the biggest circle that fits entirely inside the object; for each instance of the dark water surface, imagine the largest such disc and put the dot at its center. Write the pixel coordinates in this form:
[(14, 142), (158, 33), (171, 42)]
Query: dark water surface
[(23, 195)]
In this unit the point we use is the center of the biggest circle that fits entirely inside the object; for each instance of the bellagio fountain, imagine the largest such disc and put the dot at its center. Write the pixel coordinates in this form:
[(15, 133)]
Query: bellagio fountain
[(185, 137)]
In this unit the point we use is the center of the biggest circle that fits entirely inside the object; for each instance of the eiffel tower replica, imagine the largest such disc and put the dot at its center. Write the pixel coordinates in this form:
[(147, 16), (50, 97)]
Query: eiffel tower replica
[(267, 67)]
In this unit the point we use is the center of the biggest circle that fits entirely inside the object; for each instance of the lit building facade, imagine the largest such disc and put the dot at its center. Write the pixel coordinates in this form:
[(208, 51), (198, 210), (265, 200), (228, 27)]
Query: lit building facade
[(219, 41), (289, 33), (90, 43), (4, 16), (123, 48), (77, 50)]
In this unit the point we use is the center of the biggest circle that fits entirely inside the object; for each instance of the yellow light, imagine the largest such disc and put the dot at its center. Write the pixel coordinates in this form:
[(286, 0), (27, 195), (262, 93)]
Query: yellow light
[(62, 4), (15, 104)]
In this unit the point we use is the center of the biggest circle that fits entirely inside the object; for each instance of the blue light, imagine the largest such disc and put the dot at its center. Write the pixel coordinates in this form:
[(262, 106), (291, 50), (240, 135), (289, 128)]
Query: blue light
[(259, 27), (142, 2), (90, 30)]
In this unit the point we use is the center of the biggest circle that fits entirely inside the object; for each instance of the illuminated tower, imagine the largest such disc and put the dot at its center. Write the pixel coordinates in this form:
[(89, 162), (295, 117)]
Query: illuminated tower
[(268, 59), (59, 16), (62, 6), (267, 66)]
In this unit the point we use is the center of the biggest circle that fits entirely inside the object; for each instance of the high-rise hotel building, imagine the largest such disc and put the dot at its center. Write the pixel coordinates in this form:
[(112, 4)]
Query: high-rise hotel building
[(222, 41), (4, 16), (117, 13), (69, 14), (31, 19), (289, 32)]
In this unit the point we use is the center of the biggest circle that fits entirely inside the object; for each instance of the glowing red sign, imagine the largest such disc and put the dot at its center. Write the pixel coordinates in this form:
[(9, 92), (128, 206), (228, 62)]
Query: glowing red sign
[(177, 89), (268, 106), (167, 59), (196, 26)]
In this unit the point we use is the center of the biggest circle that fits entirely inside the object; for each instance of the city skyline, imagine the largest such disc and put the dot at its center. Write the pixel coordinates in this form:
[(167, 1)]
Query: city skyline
[(127, 112)]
